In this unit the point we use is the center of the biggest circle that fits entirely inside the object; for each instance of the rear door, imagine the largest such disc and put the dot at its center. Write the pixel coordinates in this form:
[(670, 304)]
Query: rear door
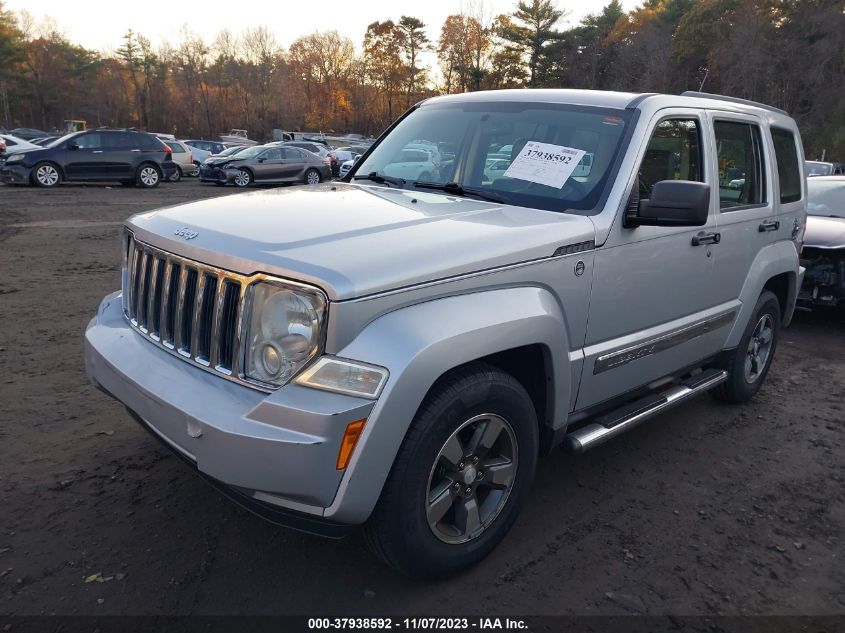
[(740, 154), (293, 163)]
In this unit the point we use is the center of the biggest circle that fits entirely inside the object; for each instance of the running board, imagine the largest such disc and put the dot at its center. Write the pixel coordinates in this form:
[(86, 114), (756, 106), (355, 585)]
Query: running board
[(630, 415)]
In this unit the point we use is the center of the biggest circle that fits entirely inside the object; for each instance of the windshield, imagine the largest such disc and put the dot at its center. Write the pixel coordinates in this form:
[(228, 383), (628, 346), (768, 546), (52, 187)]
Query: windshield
[(548, 156), (826, 198), (62, 139), (249, 152)]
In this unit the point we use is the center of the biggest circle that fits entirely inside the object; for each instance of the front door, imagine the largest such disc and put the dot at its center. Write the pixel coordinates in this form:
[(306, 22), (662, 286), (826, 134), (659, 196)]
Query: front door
[(652, 310), (268, 165), (85, 160)]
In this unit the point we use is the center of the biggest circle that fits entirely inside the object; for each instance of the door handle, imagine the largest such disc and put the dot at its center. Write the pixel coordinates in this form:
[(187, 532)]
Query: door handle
[(97, 151), (769, 225), (706, 238)]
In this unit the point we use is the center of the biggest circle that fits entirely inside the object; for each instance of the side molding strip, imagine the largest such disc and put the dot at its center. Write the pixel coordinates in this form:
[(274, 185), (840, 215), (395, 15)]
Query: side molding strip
[(625, 356)]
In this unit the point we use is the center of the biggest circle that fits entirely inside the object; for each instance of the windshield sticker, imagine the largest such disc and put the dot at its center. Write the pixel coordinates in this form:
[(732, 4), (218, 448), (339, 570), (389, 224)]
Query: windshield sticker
[(545, 164)]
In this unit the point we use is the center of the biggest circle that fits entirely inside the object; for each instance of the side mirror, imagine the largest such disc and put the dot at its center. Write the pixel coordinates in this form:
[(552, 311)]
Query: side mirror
[(672, 203), (261, 160), (356, 158), (72, 145)]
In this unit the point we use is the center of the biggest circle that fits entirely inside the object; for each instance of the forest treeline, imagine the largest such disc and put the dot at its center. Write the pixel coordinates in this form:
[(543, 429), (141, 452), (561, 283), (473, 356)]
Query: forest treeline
[(788, 53)]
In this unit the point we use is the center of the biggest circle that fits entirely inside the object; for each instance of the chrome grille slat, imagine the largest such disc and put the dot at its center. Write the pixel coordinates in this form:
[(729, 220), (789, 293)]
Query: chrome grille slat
[(152, 289), (166, 301), (216, 335), (196, 328), (164, 318), (180, 307), (142, 292)]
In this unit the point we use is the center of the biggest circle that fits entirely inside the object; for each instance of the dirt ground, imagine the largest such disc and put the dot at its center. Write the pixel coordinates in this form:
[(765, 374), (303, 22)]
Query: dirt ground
[(707, 510)]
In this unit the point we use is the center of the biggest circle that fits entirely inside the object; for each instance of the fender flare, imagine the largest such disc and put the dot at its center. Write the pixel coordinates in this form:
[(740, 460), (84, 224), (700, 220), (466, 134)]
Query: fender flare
[(775, 259), (420, 343)]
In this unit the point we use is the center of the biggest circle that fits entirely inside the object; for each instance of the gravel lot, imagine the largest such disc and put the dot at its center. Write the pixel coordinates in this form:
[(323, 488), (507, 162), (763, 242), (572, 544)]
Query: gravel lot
[(707, 510)]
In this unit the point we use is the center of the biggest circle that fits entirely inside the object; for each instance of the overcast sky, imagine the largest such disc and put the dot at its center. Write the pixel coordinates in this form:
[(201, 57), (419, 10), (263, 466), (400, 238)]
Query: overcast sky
[(100, 24)]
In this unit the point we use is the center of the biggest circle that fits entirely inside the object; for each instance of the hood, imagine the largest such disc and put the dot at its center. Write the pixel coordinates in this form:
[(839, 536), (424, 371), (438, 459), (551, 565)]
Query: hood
[(356, 240), (823, 232)]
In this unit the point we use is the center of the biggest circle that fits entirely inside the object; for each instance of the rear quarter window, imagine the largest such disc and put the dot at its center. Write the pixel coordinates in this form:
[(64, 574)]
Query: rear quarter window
[(789, 170)]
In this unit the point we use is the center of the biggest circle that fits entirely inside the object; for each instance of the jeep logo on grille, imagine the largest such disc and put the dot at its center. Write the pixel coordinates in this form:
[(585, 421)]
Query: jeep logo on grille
[(185, 232)]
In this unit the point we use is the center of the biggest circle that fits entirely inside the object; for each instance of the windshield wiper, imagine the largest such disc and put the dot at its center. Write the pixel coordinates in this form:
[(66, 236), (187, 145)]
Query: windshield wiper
[(377, 177), (458, 190)]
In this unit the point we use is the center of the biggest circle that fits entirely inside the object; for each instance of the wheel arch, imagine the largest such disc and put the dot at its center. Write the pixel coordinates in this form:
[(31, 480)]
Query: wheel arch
[(774, 268), (513, 329)]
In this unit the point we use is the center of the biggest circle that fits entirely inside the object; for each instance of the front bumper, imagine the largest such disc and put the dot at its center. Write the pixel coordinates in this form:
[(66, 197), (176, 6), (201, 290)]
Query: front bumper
[(273, 453), (14, 174)]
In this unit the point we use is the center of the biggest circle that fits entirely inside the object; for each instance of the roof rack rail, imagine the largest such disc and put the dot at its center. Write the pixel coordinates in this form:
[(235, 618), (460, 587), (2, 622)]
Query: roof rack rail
[(756, 104)]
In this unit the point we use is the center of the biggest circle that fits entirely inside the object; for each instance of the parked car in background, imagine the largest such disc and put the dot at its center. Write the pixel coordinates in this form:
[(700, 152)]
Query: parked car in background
[(126, 156), (183, 157), (344, 154), (17, 144), (29, 133), (199, 155), (412, 164), (320, 150), (824, 243), (215, 160), (45, 141), (215, 147), (347, 165), (267, 164), (818, 168)]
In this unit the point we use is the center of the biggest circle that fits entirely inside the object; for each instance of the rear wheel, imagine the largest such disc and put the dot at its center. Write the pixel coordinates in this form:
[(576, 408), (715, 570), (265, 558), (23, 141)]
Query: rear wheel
[(46, 175), (177, 175), (750, 362), (148, 175), (313, 177), (459, 478), (196, 170)]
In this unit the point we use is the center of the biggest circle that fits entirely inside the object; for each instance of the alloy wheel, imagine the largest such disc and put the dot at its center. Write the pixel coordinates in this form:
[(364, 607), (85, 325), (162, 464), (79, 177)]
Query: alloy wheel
[(47, 175), (242, 178), (759, 348), (471, 478), (313, 178), (149, 176)]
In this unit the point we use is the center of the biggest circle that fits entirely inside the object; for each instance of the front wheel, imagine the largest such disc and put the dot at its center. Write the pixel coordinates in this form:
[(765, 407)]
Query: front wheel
[(46, 175), (243, 178), (313, 177), (749, 364), (148, 176), (460, 476)]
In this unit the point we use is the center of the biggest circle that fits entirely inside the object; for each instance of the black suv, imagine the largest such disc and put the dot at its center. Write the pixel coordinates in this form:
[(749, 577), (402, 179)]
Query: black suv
[(126, 156)]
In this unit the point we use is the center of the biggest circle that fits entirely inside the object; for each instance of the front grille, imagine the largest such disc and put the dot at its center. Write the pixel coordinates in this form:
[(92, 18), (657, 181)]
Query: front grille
[(188, 308)]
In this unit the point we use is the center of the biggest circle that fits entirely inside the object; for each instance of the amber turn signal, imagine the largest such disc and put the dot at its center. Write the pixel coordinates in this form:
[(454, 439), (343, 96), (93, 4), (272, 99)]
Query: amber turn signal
[(347, 444)]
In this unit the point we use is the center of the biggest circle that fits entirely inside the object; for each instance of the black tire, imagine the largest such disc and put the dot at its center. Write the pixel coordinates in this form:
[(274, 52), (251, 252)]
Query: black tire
[(310, 175), (399, 531), (177, 175), (742, 385), (46, 174), (243, 178), (148, 175)]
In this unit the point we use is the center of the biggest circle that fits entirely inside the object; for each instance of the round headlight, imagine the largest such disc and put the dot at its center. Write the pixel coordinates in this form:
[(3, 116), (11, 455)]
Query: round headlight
[(284, 332)]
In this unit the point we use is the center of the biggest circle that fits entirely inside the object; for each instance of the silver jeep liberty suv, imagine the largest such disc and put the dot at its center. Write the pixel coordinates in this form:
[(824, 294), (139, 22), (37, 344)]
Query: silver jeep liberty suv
[(502, 273)]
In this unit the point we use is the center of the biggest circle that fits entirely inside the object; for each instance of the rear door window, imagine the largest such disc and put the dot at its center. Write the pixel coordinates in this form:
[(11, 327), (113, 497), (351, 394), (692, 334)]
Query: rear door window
[(741, 173)]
